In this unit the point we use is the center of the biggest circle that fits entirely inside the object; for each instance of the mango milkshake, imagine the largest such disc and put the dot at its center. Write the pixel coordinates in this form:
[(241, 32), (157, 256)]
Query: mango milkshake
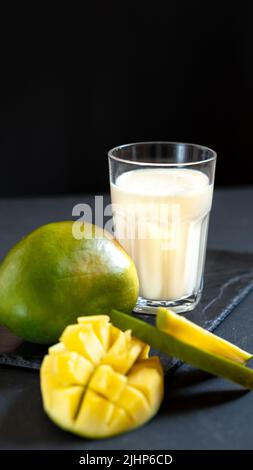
[(161, 219)]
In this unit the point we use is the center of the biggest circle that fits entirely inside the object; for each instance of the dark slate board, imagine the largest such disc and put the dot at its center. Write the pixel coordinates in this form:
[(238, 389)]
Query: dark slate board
[(228, 279)]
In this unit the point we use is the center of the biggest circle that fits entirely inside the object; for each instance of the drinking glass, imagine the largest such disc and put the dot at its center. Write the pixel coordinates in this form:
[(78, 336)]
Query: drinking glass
[(161, 196)]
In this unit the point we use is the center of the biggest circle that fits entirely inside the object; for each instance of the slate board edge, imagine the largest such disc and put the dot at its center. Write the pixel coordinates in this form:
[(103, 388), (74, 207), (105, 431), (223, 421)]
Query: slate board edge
[(211, 326)]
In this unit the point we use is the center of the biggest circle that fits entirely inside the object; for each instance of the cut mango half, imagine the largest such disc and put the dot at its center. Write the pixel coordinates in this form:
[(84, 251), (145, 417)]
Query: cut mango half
[(188, 332), (98, 381)]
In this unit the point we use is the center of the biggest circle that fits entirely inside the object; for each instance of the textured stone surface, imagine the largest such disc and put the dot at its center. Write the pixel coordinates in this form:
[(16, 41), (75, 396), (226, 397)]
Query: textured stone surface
[(228, 279), (199, 411)]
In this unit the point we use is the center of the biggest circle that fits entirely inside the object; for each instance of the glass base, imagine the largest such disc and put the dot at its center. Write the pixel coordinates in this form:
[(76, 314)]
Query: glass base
[(184, 304)]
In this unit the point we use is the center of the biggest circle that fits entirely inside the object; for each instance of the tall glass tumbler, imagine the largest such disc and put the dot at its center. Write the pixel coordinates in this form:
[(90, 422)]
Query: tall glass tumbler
[(161, 200)]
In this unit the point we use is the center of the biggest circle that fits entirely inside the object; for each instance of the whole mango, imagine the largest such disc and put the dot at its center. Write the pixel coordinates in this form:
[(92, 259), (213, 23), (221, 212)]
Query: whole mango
[(51, 277)]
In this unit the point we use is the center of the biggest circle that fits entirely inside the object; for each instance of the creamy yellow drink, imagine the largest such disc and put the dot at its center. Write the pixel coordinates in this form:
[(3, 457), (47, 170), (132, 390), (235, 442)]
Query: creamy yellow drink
[(161, 219)]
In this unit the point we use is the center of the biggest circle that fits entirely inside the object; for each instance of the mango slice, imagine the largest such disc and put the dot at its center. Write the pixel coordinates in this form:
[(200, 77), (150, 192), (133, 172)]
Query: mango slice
[(98, 381), (188, 332), (192, 354)]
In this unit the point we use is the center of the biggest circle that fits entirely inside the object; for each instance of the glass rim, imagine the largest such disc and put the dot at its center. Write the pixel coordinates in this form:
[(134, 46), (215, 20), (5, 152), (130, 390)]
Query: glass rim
[(174, 143)]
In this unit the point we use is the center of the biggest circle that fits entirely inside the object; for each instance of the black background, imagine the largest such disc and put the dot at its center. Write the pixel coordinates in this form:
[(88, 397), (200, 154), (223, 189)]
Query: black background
[(77, 81)]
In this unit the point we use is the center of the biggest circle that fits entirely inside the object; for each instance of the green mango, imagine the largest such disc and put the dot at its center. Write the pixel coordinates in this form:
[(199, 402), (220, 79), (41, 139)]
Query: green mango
[(50, 278)]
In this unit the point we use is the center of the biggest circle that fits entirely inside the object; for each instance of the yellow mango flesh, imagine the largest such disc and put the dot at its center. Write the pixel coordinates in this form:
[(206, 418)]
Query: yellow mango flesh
[(99, 381), (187, 331), (100, 327), (83, 339), (71, 368)]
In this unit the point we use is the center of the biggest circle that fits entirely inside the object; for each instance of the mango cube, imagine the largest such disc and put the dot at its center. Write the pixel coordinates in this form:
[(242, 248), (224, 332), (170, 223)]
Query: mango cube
[(71, 368), (123, 352), (135, 403), (108, 383), (64, 403), (83, 339), (56, 348), (99, 324)]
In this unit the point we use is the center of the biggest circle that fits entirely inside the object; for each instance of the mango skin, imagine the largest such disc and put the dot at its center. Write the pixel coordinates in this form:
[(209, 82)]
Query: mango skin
[(172, 346), (190, 333), (50, 278)]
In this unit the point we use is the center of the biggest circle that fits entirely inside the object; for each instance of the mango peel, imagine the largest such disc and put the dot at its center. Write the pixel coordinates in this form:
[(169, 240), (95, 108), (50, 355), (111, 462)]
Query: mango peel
[(192, 354), (190, 333), (98, 381)]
